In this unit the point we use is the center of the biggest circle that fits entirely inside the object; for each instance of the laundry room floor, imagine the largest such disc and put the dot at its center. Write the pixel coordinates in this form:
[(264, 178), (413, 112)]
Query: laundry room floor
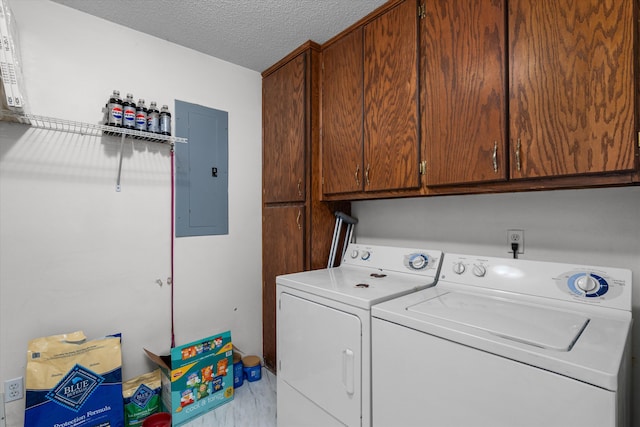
[(254, 404)]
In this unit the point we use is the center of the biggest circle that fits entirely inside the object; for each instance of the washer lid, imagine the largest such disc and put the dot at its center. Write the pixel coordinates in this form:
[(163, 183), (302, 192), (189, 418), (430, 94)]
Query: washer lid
[(534, 325)]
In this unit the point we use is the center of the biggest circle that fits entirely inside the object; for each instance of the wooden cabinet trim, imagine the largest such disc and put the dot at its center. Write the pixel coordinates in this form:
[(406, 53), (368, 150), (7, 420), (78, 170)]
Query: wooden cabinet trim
[(362, 22), (307, 46)]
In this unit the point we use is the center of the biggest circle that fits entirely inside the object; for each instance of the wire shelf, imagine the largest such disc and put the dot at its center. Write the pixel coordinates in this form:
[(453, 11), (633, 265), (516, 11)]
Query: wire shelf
[(43, 122), (51, 123)]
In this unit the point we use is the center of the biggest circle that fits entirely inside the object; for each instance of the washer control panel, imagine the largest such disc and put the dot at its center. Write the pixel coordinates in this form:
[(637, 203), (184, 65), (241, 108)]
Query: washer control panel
[(406, 260), (478, 269), (606, 286)]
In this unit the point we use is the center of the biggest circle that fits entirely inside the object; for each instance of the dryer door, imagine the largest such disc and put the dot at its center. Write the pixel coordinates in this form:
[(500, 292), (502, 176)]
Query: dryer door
[(320, 355)]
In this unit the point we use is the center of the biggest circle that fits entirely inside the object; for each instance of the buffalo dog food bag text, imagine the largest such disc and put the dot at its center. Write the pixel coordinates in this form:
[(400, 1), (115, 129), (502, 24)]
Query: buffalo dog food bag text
[(74, 382), (141, 397)]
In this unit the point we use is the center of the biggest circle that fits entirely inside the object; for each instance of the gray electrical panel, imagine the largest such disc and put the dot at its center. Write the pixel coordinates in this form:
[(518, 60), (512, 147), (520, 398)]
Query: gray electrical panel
[(202, 171)]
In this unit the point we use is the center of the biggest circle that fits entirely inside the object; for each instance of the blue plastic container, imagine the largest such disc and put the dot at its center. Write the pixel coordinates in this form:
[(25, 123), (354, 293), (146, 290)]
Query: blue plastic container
[(252, 368), (238, 371)]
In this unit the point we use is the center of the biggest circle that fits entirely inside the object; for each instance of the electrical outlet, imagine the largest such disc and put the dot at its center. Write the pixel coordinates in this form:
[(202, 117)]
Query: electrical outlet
[(516, 236), (13, 389), (2, 416)]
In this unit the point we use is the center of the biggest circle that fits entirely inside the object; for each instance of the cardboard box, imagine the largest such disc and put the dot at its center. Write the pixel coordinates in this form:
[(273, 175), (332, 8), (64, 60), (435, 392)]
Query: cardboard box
[(196, 377)]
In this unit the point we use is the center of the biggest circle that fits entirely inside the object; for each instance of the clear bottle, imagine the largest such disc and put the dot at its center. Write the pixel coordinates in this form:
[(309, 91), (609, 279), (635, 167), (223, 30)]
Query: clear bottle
[(129, 112), (165, 120), (114, 110), (153, 118), (141, 116)]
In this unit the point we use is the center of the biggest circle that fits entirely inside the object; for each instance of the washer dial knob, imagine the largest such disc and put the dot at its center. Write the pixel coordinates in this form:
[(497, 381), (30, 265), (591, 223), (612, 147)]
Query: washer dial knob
[(458, 267), (354, 254), (587, 283), (479, 270), (418, 261), (365, 255)]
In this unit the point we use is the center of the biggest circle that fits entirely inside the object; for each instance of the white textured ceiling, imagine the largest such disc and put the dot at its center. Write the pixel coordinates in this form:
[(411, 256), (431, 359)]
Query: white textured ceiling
[(252, 33)]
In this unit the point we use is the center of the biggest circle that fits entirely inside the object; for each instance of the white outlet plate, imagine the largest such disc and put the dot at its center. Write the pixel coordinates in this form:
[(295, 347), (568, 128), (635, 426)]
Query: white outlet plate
[(2, 412), (516, 236), (13, 389)]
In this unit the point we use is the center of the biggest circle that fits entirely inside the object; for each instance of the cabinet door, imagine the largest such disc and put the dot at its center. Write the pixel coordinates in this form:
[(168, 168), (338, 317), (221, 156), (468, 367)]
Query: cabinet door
[(464, 91), (342, 115), (283, 253), (284, 137), (391, 100), (571, 87)]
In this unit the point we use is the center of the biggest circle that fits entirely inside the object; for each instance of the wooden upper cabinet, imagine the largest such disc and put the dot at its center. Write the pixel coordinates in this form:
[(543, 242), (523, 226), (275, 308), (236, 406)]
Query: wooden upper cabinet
[(391, 148), (463, 91), (284, 132), (342, 115), (571, 87)]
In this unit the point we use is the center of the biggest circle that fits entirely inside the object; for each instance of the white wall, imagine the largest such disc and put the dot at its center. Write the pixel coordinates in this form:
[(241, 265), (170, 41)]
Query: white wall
[(77, 255), (593, 226)]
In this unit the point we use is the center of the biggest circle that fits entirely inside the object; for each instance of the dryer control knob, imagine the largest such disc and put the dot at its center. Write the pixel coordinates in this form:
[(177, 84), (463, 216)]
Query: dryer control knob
[(365, 255), (587, 283), (479, 270), (458, 268), (354, 254)]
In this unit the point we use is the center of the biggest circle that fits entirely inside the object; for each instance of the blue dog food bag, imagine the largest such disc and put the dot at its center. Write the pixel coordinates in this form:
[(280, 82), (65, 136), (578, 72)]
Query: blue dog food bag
[(74, 382)]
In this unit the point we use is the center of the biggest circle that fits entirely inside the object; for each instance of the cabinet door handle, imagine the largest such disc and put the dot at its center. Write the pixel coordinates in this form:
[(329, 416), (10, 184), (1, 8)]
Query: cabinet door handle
[(298, 219), (495, 156), (299, 187), (366, 175), (518, 155), (357, 175)]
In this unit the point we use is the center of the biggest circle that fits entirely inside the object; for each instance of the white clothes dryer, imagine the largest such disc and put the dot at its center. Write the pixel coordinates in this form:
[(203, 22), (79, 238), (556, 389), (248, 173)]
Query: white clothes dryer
[(324, 331), (505, 342)]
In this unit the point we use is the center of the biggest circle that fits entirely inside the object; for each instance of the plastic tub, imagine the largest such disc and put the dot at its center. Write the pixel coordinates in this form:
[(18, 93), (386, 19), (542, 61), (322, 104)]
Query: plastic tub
[(161, 419), (252, 368), (238, 370)]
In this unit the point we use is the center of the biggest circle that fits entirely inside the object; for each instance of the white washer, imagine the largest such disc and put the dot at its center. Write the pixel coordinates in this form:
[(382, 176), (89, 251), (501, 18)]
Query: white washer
[(324, 331), (505, 342)]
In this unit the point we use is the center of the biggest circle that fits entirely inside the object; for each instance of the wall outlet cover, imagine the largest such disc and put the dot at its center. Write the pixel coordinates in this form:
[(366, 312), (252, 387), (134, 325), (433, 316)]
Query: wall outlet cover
[(13, 389)]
